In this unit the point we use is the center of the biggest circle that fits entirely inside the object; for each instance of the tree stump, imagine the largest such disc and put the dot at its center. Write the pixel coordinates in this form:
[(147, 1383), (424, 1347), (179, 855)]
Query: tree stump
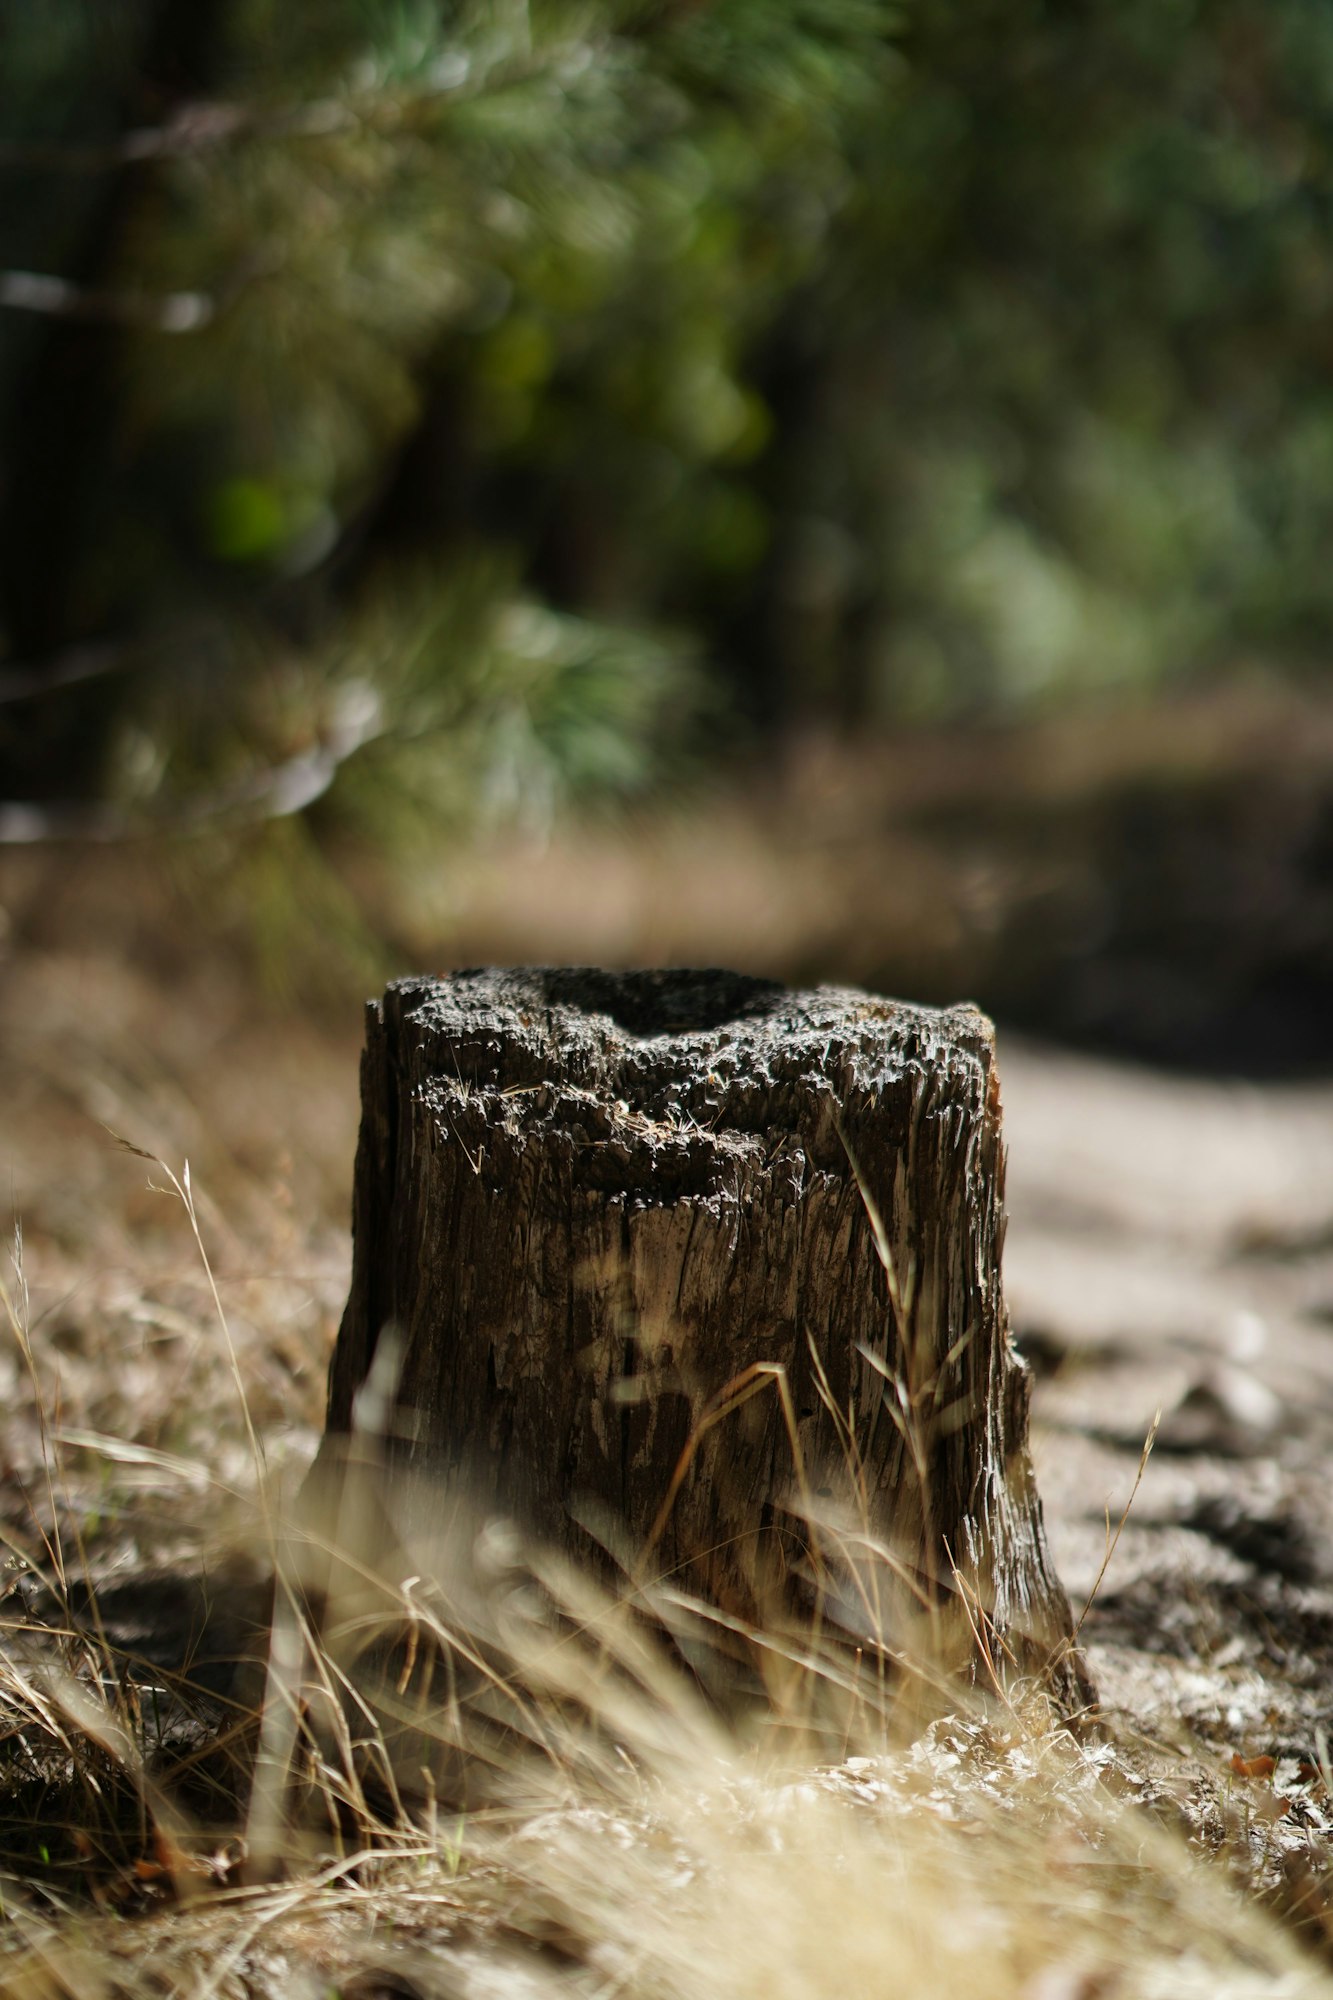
[(713, 1268)]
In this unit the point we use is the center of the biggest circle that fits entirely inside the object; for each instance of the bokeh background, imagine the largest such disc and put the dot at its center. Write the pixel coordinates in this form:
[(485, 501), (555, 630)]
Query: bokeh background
[(836, 487)]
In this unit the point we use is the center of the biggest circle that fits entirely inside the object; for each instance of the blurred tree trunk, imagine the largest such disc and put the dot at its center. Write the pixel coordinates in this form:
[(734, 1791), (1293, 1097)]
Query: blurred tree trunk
[(60, 484)]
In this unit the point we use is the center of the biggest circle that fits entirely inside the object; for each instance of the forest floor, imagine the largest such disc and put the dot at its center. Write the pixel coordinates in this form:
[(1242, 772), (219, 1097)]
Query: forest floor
[(161, 1392)]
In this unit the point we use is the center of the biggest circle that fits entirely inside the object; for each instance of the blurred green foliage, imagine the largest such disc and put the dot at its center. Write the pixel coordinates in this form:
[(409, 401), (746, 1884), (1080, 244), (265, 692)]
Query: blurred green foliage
[(459, 404)]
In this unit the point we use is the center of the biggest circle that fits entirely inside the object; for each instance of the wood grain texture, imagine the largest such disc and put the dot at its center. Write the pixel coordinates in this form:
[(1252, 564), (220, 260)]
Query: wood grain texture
[(588, 1202)]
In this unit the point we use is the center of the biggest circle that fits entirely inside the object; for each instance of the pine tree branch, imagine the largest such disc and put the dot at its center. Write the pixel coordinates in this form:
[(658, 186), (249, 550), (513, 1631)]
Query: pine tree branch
[(57, 298), (195, 128), (274, 791), (79, 663), (208, 126)]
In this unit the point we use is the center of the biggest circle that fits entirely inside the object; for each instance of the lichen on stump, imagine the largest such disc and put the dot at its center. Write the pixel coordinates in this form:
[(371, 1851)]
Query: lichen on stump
[(711, 1269)]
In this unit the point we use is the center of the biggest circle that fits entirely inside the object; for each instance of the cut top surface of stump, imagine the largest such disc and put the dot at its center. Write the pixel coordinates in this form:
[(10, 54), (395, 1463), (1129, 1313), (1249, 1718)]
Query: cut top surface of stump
[(695, 1061), (590, 1020), (601, 1208)]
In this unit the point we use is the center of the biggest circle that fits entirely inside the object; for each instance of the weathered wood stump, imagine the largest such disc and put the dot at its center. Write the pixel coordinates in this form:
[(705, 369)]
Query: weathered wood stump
[(715, 1268)]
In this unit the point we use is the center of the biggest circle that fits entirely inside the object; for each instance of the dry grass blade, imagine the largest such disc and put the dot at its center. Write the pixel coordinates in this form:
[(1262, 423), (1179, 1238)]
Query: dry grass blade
[(184, 1193), (1113, 1538)]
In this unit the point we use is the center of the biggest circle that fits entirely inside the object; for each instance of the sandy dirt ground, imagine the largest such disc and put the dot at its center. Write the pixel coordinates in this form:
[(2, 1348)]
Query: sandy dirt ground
[(1171, 1249)]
